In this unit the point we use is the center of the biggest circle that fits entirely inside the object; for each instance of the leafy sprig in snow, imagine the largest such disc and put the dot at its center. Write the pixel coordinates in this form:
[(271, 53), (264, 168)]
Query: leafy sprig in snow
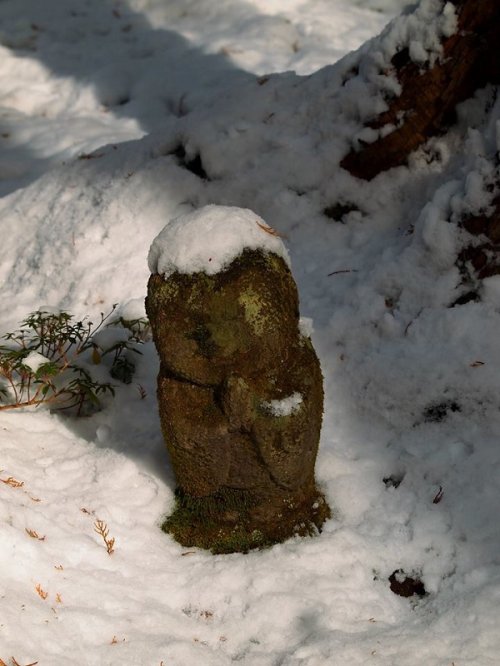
[(48, 361)]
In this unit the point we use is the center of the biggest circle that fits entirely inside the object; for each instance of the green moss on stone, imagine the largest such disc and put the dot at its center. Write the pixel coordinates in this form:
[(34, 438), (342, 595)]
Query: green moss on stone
[(254, 310), (225, 522), (199, 288), (224, 325), (239, 541)]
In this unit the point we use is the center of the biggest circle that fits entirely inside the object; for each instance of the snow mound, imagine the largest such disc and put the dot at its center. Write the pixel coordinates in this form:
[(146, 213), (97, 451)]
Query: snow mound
[(209, 239)]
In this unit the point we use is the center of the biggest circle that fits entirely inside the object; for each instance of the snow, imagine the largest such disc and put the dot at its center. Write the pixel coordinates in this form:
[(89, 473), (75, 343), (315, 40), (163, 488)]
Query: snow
[(306, 327), (209, 239), (34, 360), (421, 31), (284, 406), (104, 109)]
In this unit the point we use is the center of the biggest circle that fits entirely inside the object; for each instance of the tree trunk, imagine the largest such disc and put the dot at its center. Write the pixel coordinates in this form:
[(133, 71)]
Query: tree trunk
[(427, 103)]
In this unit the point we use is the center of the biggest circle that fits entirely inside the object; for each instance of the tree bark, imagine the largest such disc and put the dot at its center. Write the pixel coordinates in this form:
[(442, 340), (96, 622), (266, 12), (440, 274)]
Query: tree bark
[(429, 97), (479, 261)]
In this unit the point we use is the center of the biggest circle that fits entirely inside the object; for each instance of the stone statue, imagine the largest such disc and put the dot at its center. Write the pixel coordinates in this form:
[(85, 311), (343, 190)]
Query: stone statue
[(241, 400)]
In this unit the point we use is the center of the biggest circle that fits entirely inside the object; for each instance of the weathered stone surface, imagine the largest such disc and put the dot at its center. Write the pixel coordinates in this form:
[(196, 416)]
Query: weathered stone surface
[(230, 346)]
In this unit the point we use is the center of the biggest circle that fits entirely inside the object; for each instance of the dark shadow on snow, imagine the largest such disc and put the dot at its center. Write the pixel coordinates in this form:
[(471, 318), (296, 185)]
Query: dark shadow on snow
[(137, 71)]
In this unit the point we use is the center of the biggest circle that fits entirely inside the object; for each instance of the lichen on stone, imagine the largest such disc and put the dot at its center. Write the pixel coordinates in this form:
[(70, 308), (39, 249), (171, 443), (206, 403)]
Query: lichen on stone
[(254, 311)]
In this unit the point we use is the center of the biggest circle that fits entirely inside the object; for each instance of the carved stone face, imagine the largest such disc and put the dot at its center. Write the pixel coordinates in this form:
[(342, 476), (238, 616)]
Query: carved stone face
[(240, 321)]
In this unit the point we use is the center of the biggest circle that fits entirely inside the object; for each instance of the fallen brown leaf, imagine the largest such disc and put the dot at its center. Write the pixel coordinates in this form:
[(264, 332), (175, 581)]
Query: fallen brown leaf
[(269, 230), (12, 482)]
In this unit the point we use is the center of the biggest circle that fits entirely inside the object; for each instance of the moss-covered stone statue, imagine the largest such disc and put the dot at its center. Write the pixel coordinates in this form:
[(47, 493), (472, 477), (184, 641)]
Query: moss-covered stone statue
[(240, 387)]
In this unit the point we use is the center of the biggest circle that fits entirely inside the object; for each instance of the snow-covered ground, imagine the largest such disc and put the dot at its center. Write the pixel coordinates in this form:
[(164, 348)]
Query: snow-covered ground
[(106, 109)]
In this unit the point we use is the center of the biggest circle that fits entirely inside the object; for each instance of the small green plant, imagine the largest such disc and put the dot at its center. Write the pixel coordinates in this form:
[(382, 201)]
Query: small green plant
[(136, 332), (49, 360)]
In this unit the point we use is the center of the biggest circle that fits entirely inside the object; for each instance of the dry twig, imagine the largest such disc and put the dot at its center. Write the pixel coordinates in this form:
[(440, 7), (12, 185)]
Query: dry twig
[(12, 482), (41, 592), (439, 495), (343, 270), (101, 528), (34, 535)]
